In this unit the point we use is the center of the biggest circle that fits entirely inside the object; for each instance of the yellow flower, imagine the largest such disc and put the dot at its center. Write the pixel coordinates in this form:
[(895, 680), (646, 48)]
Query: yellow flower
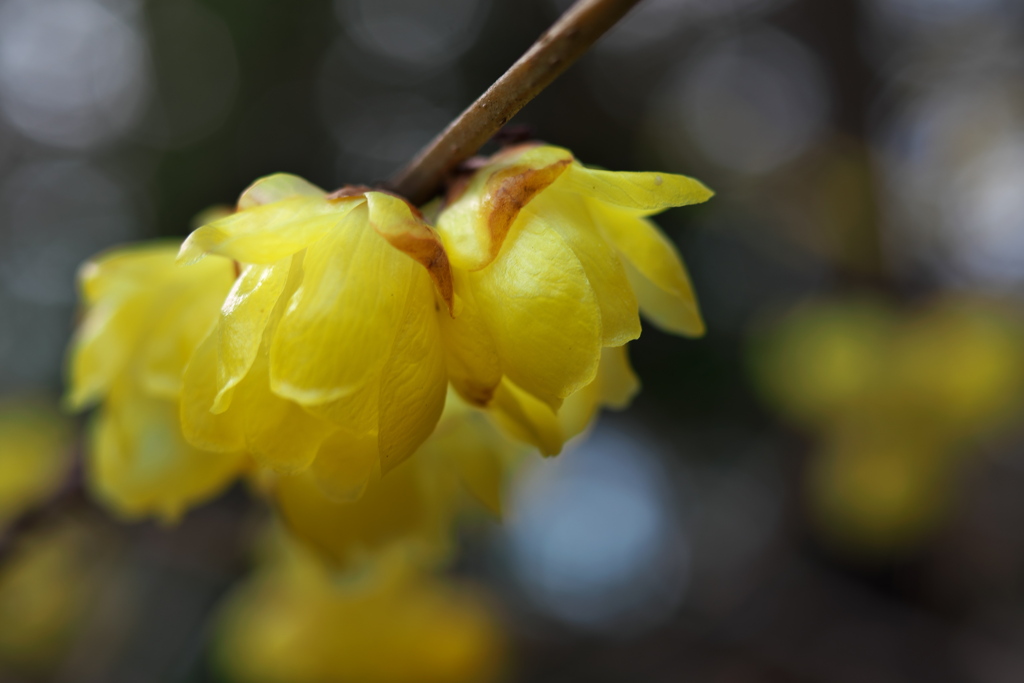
[(527, 418), (955, 366), (879, 484), (411, 512), (322, 333), (553, 261), (144, 317), (35, 454), (295, 623), (327, 353), (896, 398), (47, 595)]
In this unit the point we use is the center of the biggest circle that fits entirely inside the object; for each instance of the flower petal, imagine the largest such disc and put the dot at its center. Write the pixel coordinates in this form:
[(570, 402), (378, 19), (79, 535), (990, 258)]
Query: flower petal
[(542, 313), (243, 319), (655, 271), (642, 193), (527, 419), (474, 369), (482, 457), (101, 347), (186, 312), (670, 312), (269, 232), (568, 215), (345, 466), (399, 512), (340, 323), (279, 434), (140, 465), (356, 413), (120, 272), (202, 428), (619, 383), (274, 188), (476, 222), (393, 219), (413, 382), (614, 387), (113, 286)]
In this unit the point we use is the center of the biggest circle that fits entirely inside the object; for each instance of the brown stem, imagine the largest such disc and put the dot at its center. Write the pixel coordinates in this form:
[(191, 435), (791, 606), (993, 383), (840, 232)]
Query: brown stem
[(560, 46)]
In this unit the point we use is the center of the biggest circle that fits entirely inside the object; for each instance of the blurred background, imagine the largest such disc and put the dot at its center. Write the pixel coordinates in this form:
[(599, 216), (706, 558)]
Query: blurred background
[(827, 488)]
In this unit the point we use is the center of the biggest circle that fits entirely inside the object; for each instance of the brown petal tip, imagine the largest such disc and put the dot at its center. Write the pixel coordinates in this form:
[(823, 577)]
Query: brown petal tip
[(509, 190), (423, 245)]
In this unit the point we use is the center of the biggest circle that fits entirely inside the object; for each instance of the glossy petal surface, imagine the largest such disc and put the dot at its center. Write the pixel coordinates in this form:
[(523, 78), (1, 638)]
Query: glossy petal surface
[(413, 380), (543, 314), (269, 232), (243, 318), (474, 368), (339, 324)]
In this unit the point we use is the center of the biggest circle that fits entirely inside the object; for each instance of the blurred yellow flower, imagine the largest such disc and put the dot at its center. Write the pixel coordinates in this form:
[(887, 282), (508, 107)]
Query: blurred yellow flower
[(296, 623), (329, 341), (144, 317), (897, 397), (955, 365), (552, 262), (46, 591), (411, 512), (879, 484), (35, 454)]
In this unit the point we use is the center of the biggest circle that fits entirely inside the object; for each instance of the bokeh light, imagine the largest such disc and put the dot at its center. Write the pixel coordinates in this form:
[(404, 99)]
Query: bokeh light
[(595, 539), (66, 211), (955, 161), (416, 34), (748, 102), (72, 72), (907, 13)]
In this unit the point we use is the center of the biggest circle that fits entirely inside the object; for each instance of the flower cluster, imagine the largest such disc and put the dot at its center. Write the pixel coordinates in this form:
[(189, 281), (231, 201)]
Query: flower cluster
[(895, 400), (315, 341), (394, 626), (362, 363)]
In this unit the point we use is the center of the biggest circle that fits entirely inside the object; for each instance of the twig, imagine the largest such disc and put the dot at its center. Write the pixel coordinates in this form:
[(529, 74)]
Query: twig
[(560, 46)]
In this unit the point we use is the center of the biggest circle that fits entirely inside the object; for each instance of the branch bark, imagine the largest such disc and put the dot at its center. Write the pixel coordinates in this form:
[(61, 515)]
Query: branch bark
[(561, 45)]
